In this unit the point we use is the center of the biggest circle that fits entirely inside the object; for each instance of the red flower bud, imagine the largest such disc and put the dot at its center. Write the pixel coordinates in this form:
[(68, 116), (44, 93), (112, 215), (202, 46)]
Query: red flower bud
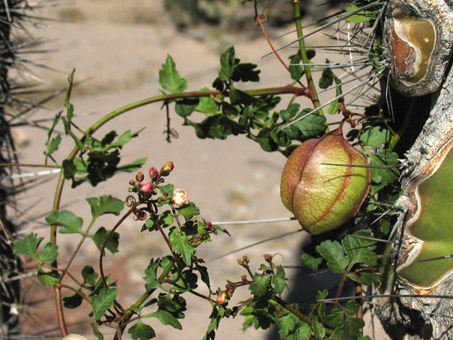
[(166, 168), (323, 196), (147, 187), (221, 298), (153, 172)]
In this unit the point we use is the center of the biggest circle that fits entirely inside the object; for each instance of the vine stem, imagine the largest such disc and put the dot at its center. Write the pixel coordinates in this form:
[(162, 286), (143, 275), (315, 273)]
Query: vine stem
[(121, 220), (96, 126), (291, 309), (303, 51)]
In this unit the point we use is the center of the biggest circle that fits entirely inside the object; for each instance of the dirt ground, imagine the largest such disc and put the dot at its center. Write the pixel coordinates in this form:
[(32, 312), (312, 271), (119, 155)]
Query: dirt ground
[(117, 48)]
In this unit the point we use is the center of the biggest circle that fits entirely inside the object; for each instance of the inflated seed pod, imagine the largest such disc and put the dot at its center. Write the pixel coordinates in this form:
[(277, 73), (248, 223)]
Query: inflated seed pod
[(418, 41), (318, 186)]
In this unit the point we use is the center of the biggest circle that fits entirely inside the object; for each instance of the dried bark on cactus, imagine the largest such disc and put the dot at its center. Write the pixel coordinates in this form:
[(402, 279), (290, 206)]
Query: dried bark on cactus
[(423, 317), (418, 239)]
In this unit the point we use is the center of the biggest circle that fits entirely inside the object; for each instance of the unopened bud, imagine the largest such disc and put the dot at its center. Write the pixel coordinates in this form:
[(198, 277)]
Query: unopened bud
[(166, 168), (140, 177), (132, 182), (221, 298), (147, 187), (153, 173), (180, 197)]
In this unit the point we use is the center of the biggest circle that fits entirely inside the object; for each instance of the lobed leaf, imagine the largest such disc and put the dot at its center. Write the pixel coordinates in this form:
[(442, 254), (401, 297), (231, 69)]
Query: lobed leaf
[(29, 246), (333, 253), (67, 220), (169, 77), (103, 301), (141, 331), (105, 205)]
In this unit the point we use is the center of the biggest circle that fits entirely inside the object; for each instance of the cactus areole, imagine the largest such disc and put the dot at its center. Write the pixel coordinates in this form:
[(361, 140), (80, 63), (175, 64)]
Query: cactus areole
[(319, 187)]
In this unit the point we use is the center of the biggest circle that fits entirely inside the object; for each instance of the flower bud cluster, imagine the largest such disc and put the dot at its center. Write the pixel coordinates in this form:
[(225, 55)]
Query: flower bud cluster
[(147, 188), (244, 261)]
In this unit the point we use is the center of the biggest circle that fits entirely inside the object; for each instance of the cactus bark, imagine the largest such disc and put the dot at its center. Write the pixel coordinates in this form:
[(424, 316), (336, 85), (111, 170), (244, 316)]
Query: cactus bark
[(421, 317)]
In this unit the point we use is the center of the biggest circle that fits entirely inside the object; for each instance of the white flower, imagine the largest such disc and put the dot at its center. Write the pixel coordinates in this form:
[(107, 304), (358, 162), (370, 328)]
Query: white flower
[(180, 197)]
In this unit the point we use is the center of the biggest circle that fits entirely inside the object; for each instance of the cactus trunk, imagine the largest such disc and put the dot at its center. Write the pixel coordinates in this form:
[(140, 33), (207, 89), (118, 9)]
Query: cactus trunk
[(424, 317)]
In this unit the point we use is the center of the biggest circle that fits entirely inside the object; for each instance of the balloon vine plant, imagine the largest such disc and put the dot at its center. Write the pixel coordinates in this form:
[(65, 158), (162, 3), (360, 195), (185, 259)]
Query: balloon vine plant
[(330, 181)]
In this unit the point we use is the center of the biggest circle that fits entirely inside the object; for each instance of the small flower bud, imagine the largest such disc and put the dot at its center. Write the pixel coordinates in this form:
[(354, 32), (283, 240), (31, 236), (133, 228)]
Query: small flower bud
[(132, 182), (267, 257), (147, 187), (140, 177), (153, 172), (221, 298), (166, 168), (180, 197)]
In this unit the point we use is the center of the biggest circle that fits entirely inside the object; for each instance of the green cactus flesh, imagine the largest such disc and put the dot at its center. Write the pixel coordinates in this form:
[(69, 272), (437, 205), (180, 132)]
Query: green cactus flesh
[(434, 227)]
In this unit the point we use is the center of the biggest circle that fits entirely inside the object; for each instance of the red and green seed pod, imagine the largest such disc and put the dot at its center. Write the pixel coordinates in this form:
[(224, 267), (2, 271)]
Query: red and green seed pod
[(321, 196)]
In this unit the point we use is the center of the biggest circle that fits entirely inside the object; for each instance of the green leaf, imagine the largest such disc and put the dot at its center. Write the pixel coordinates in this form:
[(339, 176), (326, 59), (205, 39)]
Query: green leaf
[(286, 324), (151, 276), (321, 294), (265, 141), (48, 278), (188, 211), (335, 318), (166, 318), (131, 167), (170, 79), (352, 307), (103, 301), (49, 253), (260, 284), (105, 205), (386, 176), (72, 301), (290, 112), (141, 331), (245, 72), (311, 261), (365, 278), (89, 275), (227, 62), (69, 223), (327, 78), (334, 107), (180, 244), (239, 97), (167, 189), (303, 332), (360, 16), (175, 304), (207, 105), (29, 246), (312, 125), (69, 168), (374, 137), (279, 280), (350, 330), (184, 108), (318, 330), (333, 253), (360, 250), (295, 69), (52, 146), (101, 235)]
